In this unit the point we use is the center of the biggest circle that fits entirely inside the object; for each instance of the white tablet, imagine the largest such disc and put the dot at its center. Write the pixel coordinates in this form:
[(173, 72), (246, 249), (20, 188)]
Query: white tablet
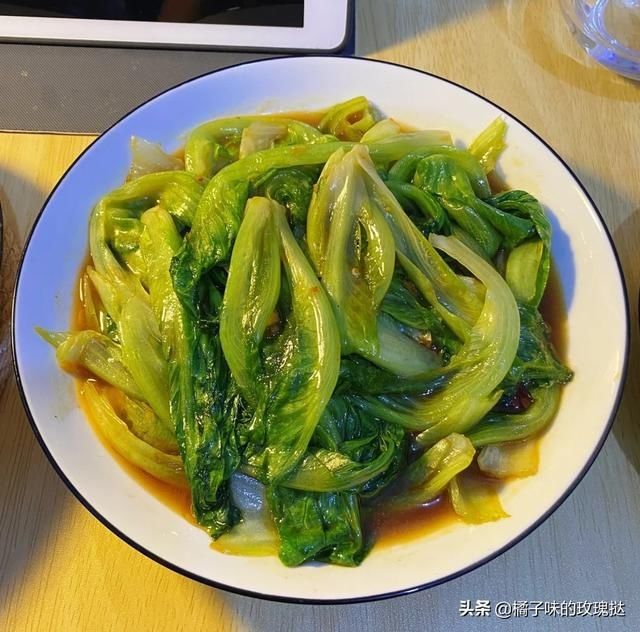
[(301, 25)]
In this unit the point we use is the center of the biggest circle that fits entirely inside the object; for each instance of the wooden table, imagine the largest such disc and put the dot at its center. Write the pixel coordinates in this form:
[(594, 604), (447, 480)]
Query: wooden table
[(60, 569)]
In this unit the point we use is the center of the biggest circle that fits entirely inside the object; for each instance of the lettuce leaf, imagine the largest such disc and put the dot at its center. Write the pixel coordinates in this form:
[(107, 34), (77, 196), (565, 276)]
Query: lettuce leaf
[(287, 379)]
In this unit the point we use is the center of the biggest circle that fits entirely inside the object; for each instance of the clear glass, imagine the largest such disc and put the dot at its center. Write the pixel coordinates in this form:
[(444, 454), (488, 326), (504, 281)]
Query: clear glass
[(609, 30)]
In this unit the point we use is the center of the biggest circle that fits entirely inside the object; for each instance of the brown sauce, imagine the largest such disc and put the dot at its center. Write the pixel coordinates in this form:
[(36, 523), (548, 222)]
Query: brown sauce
[(496, 183), (554, 312), (177, 499), (385, 528), (394, 527)]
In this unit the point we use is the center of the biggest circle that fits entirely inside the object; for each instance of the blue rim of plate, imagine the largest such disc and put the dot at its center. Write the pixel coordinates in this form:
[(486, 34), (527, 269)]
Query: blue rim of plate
[(349, 600)]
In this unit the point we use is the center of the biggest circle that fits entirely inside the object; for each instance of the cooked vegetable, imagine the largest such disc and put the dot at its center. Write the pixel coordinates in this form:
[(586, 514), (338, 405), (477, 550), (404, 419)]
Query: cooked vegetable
[(177, 192), (421, 206), (349, 120), (401, 351), (535, 363), (382, 129), (457, 324), (142, 355), (428, 476), (474, 500), (441, 176), (256, 534), (166, 467), (314, 325), (213, 145), (95, 353), (260, 135), (349, 451), (403, 302), (490, 226), (287, 380), (405, 169), (482, 362), (90, 317), (149, 157), (318, 526), (517, 458), (219, 212), (358, 375), (352, 250), (144, 423), (292, 188), (205, 406), (489, 144), (499, 427), (529, 263), (159, 242)]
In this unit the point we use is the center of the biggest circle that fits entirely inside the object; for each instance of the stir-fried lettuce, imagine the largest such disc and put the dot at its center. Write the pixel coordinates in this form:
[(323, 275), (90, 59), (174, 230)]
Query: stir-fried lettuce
[(215, 144), (482, 362), (288, 378), (489, 144), (93, 352), (165, 467), (310, 323), (349, 120), (149, 157), (322, 526), (349, 451), (498, 427), (512, 459), (429, 475), (529, 263), (475, 500), (352, 249)]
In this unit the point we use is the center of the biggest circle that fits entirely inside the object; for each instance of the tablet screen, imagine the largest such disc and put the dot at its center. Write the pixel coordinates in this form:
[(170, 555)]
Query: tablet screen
[(240, 12)]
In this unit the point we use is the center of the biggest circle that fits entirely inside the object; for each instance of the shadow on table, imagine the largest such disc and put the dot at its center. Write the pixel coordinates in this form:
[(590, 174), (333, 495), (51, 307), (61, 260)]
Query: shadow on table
[(32, 497), (426, 16)]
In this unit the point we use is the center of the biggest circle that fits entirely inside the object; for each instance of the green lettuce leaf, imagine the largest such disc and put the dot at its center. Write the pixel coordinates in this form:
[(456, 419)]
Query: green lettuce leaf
[(288, 379), (349, 120), (536, 363), (428, 476), (500, 427), (163, 466), (350, 451), (489, 144), (317, 526), (215, 144), (482, 363), (528, 264)]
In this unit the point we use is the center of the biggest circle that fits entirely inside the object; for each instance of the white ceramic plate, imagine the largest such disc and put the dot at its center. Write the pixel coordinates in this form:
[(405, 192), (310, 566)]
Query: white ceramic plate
[(583, 254)]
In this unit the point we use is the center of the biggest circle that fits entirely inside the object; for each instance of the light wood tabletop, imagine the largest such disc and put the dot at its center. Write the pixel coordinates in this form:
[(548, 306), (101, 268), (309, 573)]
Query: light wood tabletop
[(60, 569)]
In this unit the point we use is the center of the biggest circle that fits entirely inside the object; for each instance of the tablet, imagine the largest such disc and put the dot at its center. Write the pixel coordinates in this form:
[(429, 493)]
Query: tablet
[(283, 25)]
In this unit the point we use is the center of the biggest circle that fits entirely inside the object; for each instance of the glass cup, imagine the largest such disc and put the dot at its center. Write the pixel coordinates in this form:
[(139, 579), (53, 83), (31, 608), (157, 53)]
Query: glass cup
[(609, 30)]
